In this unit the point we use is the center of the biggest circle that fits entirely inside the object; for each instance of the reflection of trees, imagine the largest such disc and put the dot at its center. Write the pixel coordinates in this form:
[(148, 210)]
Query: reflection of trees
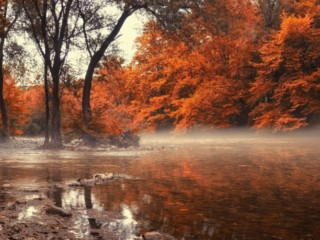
[(88, 202), (3, 197), (212, 193), (4, 177), (53, 175), (264, 192)]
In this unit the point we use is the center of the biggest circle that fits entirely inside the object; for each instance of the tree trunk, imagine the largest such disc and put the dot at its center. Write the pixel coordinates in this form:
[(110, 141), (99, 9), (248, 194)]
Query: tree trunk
[(5, 129), (4, 117), (94, 61), (86, 108), (47, 101), (56, 141)]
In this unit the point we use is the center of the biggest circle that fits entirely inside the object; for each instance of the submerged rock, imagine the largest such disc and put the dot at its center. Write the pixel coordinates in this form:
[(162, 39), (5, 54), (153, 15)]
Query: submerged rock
[(98, 178), (157, 236), (74, 184), (87, 182), (51, 209)]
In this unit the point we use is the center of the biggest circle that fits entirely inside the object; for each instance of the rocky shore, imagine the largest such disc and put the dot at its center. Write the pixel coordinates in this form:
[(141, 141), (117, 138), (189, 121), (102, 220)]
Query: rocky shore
[(31, 214)]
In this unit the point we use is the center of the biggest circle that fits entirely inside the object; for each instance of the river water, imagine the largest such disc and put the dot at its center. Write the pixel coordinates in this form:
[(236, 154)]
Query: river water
[(210, 189)]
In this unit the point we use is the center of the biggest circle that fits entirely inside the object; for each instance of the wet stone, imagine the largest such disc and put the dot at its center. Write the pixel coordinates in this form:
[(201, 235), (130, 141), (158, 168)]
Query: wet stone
[(58, 211), (156, 236), (20, 202)]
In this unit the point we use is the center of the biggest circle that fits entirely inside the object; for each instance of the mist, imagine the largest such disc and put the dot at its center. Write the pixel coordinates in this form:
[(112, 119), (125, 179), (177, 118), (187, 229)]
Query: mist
[(206, 135)]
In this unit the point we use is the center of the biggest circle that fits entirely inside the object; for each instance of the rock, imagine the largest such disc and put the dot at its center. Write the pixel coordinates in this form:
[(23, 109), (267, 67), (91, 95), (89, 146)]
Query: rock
[(157, 236), (101, 178), (74, 184), (11, 206), (20, 202), (86, 182), (31, 190), (58, 211), (6, 185)]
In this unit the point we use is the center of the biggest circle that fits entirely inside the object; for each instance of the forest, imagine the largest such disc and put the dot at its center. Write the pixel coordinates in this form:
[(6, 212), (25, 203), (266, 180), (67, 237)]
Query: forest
[(203, 63)]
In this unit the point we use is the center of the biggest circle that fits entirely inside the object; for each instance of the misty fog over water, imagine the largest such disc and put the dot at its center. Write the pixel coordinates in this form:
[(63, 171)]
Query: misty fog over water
[(200, 186)]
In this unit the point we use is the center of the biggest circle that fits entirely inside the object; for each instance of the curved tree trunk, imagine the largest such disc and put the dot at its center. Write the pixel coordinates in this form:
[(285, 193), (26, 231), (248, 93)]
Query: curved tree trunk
[(86, 107), (94, 61)]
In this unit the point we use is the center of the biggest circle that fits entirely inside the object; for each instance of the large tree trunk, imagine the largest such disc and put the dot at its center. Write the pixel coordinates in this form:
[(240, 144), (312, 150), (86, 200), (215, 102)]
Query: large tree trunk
[(56, 141), (94, 61), (86, 108), (4, 117), (5, 129), (47, 103)]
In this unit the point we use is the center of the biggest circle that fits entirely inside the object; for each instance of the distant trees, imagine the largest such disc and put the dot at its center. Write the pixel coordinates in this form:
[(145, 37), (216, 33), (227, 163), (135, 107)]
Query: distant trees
[(285, 94), (6, 24), (198, 63), (224, 75), (17, 111), (52, 30), (55, 24), (168, 13), (271, 10), (201, 80)]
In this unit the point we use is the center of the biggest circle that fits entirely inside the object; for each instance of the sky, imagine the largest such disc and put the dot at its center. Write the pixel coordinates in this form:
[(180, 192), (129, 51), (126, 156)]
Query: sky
[(132, 28), (130, 31)]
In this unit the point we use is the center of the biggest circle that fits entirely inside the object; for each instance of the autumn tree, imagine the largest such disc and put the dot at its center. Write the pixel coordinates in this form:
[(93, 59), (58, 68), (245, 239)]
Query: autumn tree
[(110, 97), (198, 80), (34, 96), (225, 47), (50, 26), (271, 10), (286, 92), (70, 94), (97, 44), (7, 22), (18, 113)]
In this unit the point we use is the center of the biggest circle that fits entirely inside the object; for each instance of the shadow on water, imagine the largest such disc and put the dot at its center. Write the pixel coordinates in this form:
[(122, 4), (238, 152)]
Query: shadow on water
[(214, 190)]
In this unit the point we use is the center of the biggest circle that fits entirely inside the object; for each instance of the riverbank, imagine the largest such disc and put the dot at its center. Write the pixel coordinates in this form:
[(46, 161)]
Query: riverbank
[(226, 187), (34, 213)]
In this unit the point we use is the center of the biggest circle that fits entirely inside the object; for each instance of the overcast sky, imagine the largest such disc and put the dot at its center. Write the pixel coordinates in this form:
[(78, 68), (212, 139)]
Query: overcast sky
[(132, 28), (130, 31)]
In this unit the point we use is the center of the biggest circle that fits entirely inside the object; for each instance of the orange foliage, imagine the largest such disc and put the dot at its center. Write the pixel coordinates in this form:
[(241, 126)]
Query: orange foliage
[(109, 98), (201, 81), (214, 71), (17, 110), (71, 114), (286, 93)]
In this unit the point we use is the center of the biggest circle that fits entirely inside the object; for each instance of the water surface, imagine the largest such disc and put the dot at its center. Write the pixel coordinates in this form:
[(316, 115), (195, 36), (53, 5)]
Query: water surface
[(214, 189)]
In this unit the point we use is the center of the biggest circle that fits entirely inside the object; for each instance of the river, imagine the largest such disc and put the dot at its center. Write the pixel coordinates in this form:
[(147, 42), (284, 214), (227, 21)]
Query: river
[(210, 189)]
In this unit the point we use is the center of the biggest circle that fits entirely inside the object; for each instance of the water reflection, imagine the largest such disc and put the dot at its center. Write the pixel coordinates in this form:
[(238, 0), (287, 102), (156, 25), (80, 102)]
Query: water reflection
[(28, 212), (208, 191)]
